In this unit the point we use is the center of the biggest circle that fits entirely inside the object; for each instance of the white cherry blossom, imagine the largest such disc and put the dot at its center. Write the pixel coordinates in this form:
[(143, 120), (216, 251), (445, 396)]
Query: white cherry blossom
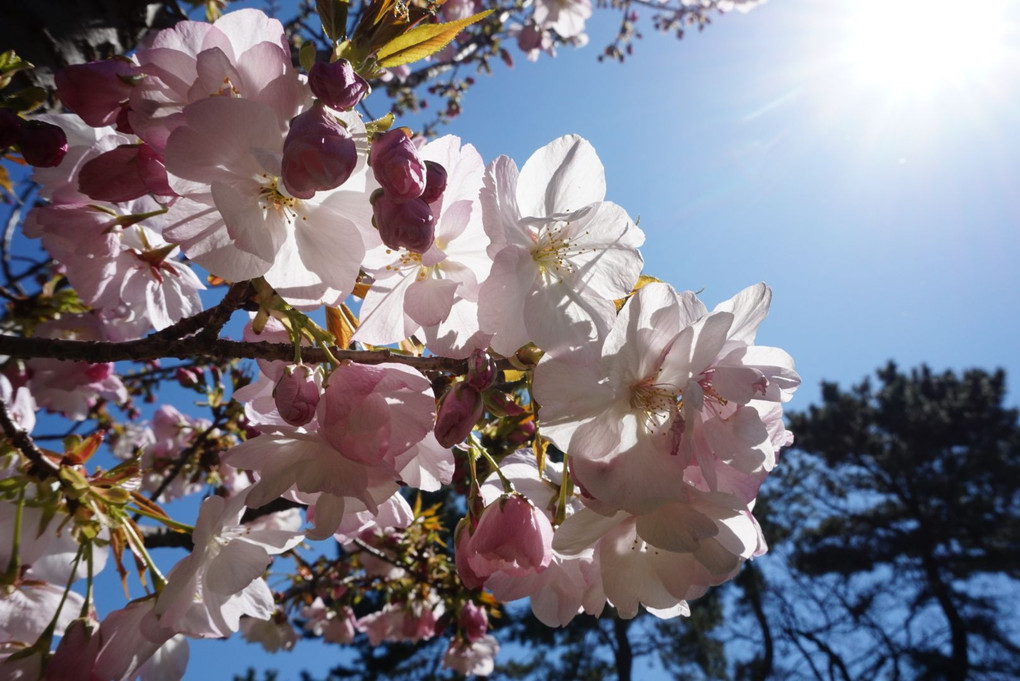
[(561, 254)]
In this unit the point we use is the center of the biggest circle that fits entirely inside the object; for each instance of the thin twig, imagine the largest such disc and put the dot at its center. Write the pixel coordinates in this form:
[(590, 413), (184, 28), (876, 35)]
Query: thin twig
[(210, 321), (41, 465)]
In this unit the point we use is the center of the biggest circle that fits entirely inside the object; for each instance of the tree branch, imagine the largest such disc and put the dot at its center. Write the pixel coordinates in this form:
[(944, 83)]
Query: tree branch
[(154, 347), (41, 465)]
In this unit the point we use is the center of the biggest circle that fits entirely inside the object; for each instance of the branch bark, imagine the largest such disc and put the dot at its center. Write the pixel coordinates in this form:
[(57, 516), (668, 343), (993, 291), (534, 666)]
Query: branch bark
[(197, 347)]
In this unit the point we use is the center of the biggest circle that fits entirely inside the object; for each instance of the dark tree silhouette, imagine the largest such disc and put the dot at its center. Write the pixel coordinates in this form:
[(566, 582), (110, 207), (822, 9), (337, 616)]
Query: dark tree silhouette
[(903, 512)]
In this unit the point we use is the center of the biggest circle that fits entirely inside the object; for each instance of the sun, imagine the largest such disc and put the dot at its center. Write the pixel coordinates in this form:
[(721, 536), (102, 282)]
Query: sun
[(919, 47)]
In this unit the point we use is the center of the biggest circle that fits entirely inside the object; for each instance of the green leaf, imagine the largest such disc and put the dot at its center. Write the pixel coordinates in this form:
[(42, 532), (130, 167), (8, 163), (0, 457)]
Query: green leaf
[(306, 55), (26, 100), (380, 125), (11, 63), (333, 14), (422, 41)]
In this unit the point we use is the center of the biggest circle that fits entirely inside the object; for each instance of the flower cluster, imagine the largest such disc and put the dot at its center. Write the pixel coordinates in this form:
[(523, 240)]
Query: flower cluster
[(609, 432)]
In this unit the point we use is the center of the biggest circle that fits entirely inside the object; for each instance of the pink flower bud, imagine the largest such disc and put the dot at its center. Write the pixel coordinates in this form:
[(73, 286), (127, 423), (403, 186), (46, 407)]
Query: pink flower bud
[(10, 128), (188, 378), (524, 432), (318, 153), (96, 91), (473, 621), (337, 85), (99, 372), (502, 404), (42, 145), (397, 166), (435, 182), (512, 537), (459, 411), (124, 173), (404, 224), (297, 395), (75, 657), (461, 549), (152, 169), (481, 370)]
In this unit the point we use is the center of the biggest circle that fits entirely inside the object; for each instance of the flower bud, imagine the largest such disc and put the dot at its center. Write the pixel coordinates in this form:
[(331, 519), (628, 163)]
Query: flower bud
[(523, 433), (124, 173), (188, 377), (404, 224), (337, 85), (481, 370), (461, 549), (10, 128), (42, 145), (501, 404), (96, 91), (318, 153), (397, 166), (473, 621), (297, 395), (75, 657), (512, 537), (459, 411), (435, 182)]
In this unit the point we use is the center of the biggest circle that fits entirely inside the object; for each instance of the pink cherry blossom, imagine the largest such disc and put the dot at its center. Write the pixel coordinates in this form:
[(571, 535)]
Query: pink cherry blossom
[(565, 17), (131, 637), (512, 536), (475, 657), (243, 54), (98, 90), (72, 388), (274, 634), (28, 606), (571, 583)]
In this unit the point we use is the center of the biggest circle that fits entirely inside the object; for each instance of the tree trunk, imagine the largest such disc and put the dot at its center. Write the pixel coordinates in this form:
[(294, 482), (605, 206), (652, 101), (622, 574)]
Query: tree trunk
[(54, 33), (623, 653), (959, 662)]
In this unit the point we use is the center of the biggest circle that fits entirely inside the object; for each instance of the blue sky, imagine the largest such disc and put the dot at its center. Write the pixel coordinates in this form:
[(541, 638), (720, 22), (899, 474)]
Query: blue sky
[(887, 222)]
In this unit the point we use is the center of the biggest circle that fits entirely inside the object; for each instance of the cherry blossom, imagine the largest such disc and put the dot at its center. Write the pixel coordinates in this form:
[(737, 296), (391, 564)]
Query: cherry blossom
[(561, 254), (236, 219), (243, 54), (209, 590), (417, 293)]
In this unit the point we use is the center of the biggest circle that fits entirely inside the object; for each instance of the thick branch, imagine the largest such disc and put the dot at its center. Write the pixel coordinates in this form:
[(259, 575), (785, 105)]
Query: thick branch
[(148, 349)]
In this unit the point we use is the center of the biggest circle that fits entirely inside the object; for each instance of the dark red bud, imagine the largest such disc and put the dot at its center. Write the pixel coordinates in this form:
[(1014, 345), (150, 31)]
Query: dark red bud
[(42, 145), (397, 166), (10, 128), (337, 85), (318, 154), (404, 224), (435, 182)]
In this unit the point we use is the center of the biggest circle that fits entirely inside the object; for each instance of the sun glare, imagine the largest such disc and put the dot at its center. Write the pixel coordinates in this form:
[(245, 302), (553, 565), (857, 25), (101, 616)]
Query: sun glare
[(922, 46)]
